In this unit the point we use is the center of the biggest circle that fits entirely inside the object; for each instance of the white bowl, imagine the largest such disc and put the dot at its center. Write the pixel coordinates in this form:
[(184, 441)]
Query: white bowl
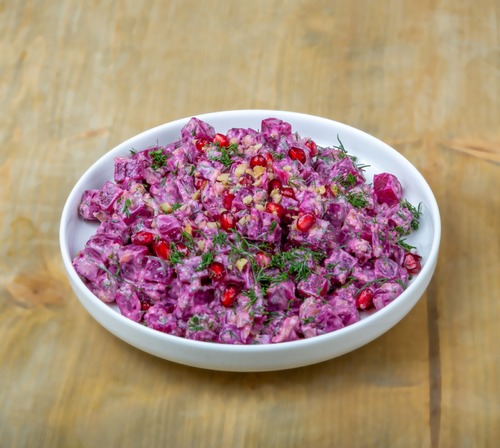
[(74, 232)]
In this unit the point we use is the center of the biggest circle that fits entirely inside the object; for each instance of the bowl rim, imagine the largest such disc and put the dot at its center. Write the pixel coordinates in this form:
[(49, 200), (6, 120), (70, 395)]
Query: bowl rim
[(75, 196)]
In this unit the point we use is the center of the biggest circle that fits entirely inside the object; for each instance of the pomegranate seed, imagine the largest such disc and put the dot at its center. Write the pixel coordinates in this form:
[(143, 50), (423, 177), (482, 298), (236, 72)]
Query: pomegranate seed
[(145, 305), (222, 140), (313, 148), (182, 249), (305, 221), (297, 154), (258, 160), (269, 158), (246, 180), (162, 249), (274, 184), (364, 299), (216, 270), (412, 263), (276, 209), (229, 296), (263, 260), (199, 182), (227, 199), (227, 220), (288, 192), (143, 238), (201, 143)]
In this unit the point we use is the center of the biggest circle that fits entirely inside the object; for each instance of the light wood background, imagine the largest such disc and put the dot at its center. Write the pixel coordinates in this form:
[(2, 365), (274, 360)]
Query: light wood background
[(77, 78)]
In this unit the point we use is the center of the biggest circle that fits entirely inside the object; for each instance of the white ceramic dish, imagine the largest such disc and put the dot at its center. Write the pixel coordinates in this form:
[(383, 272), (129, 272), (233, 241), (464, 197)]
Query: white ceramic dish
[(74, 232)]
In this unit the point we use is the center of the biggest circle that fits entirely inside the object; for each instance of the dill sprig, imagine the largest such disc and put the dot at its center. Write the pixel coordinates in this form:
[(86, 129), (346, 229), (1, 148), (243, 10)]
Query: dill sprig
[(206, 260), (295, 262), (416, 212), (357, 200), (220, 239), (126, 206), (158, 158), (402, 243), (194, 323), (225, 157), (175, 256)]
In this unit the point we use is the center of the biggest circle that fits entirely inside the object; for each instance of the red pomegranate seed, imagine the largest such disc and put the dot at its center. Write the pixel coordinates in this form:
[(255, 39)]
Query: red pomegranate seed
[(216, 270), (313, 148), (288, 192), (364, 299), (269, 158), (258, 160), (305, 221), (182, 249), (222, 140), (274, 184), (145, 305), (412, 263), (227, 220), (246, 180), (297, 154), (162, 249), (229, 296), (201, 143), (143, 238), (227, 199), (276, 209), (199, 182), (263, 260)]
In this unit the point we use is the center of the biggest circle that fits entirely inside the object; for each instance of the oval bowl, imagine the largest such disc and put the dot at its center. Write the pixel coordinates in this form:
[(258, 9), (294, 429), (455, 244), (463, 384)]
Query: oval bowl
[(74, 232)]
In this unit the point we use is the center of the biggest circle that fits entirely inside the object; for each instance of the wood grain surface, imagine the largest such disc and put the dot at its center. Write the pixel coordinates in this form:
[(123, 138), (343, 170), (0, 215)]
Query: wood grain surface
[(77, 78)]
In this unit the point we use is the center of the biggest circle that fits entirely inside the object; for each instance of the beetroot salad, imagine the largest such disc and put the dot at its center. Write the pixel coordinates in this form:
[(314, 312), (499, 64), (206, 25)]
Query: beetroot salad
[(248, 237)]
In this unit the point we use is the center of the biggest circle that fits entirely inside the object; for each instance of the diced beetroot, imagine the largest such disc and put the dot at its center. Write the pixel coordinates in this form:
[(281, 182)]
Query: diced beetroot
[(168, 226), (314, 285), (128, 302), (387, 188)]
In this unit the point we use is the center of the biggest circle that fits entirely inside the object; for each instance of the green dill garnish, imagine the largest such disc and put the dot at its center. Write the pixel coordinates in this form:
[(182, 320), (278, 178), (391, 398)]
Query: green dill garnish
[(277, 155), (272, 226), (252, 295), (362, 167), (379, 281), (176, 206), (125, 209), (225, 157), (188, 240), (206, 260), (348, 180), (266, 280), (308, 320), (133, 152), (400, 230), (340, 147), (402, 243), (296, 262), (158, 158), (295, 181), (357, 200), (175, 255), (220, 239), (194, 323), (416, 212)]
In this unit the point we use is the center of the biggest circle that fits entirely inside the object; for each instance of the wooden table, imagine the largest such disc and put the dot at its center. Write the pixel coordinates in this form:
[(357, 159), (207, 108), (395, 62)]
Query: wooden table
[(77, 78)]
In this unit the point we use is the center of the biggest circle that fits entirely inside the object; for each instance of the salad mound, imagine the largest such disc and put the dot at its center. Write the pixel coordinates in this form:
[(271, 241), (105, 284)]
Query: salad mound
[(248, 237)]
